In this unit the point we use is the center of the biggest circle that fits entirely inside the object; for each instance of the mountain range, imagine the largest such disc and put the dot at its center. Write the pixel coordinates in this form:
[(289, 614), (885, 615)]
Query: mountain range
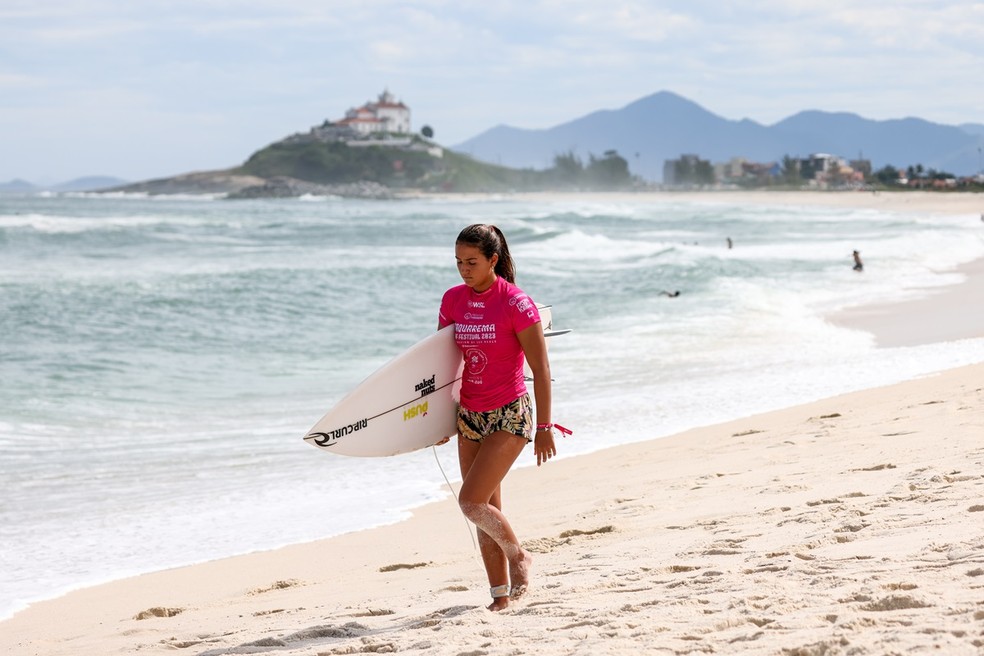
[(664, 126)]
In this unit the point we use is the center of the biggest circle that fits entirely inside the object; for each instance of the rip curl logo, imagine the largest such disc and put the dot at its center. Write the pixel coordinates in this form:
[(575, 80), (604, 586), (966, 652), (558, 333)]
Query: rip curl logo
[(476, 360), (329, 438)]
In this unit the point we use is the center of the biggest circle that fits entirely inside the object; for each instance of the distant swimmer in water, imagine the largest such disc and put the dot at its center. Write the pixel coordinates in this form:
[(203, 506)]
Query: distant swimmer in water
[(673, 294), (730, 243), (858, 264)]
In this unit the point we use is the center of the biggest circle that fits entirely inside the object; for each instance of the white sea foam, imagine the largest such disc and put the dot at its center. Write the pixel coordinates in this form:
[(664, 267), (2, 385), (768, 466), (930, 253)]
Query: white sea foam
[(54, 224), (318, 198)]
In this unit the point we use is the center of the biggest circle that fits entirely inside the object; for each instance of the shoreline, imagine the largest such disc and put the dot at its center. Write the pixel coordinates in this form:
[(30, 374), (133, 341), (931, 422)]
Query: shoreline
[(946, 313), (847, 515)]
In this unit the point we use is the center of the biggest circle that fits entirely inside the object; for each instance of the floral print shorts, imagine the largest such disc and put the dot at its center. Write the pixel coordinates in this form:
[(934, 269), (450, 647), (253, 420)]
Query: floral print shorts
[(515, 418)]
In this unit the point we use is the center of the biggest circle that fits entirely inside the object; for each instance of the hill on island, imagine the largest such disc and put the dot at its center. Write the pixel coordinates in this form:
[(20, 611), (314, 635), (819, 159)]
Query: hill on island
[(380, 168), (418, 164), (297, 166)]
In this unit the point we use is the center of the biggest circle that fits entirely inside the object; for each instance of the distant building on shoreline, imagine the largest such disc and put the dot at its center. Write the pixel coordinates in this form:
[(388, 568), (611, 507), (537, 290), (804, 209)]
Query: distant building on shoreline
[(688, 170), (386, 115), (820, 170)]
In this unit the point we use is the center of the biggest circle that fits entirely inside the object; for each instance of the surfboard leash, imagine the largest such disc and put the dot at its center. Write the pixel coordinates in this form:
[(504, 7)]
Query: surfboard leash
[(450, 487)]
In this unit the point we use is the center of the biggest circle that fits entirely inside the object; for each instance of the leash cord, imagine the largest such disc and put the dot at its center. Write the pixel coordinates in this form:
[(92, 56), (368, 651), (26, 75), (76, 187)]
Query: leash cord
[(467, 525)]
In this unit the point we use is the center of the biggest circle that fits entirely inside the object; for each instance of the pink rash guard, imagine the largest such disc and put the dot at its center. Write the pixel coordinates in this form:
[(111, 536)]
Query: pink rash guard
[(485, 329)]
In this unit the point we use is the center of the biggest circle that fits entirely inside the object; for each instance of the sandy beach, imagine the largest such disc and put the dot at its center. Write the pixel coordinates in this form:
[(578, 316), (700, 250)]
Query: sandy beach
[(852, 525)]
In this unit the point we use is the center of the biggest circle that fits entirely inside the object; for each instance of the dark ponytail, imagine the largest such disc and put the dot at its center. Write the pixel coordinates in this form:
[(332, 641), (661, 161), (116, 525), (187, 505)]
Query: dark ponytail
[(490, 241)]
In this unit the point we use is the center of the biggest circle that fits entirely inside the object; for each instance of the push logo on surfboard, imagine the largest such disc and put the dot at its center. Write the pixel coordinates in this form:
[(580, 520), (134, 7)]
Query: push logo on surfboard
[(419, 410)]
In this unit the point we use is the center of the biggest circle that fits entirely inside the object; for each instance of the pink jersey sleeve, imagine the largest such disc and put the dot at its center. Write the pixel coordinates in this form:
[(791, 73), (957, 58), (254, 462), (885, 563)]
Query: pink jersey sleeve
[(445, 315), (523, 311)]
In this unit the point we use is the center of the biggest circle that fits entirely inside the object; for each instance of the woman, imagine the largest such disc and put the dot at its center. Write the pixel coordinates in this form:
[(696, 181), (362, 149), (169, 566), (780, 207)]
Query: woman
[(496, 326)]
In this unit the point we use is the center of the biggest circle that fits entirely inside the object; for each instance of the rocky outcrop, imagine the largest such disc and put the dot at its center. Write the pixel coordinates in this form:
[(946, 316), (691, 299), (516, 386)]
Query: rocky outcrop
[(202, 182), (238, 186), (283, 187)]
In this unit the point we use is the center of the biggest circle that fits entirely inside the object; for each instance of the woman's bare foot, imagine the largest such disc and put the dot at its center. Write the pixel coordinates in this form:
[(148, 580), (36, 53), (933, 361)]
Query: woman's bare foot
[(499, 604), (519, 573)]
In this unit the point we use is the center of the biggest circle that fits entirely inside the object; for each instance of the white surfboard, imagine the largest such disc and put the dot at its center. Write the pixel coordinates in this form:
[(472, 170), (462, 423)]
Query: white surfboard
[(407, 404)]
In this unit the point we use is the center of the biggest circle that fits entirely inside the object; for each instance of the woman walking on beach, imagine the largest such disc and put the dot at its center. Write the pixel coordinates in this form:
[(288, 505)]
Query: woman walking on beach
[(496, 325)]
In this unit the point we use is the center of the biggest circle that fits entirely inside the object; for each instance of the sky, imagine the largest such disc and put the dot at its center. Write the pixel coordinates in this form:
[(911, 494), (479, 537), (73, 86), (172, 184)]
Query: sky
[(140, 89)]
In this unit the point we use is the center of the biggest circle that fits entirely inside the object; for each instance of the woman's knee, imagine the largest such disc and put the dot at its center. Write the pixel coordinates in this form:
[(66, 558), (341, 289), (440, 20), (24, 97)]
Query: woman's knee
[(480, 513), (472, 509)]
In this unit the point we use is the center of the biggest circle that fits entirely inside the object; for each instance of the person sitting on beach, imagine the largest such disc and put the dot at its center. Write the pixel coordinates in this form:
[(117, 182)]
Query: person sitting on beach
[(496, 325), (858, 265)]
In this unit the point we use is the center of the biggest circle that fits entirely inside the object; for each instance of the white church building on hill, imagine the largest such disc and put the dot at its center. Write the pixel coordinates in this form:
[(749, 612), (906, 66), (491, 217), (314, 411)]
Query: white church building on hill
[(386, 115)]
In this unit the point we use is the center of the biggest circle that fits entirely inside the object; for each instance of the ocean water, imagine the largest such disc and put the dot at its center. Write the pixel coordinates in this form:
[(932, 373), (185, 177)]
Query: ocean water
[(161, 358)]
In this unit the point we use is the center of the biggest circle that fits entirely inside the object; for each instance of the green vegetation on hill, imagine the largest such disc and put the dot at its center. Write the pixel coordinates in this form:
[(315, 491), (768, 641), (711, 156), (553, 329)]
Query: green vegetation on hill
[(336, 163), (462, 173), (413, 167)]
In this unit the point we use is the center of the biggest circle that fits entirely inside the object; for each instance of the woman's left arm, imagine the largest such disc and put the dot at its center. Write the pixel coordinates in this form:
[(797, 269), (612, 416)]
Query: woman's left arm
[(535, 349)]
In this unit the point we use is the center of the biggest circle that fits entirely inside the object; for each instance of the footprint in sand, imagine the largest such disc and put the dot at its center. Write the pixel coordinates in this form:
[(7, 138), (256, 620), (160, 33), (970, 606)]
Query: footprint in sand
[(374, 612), (398, 566), (546, 545), (278, 585), (895, 602), (305, 637), (158, 611)]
